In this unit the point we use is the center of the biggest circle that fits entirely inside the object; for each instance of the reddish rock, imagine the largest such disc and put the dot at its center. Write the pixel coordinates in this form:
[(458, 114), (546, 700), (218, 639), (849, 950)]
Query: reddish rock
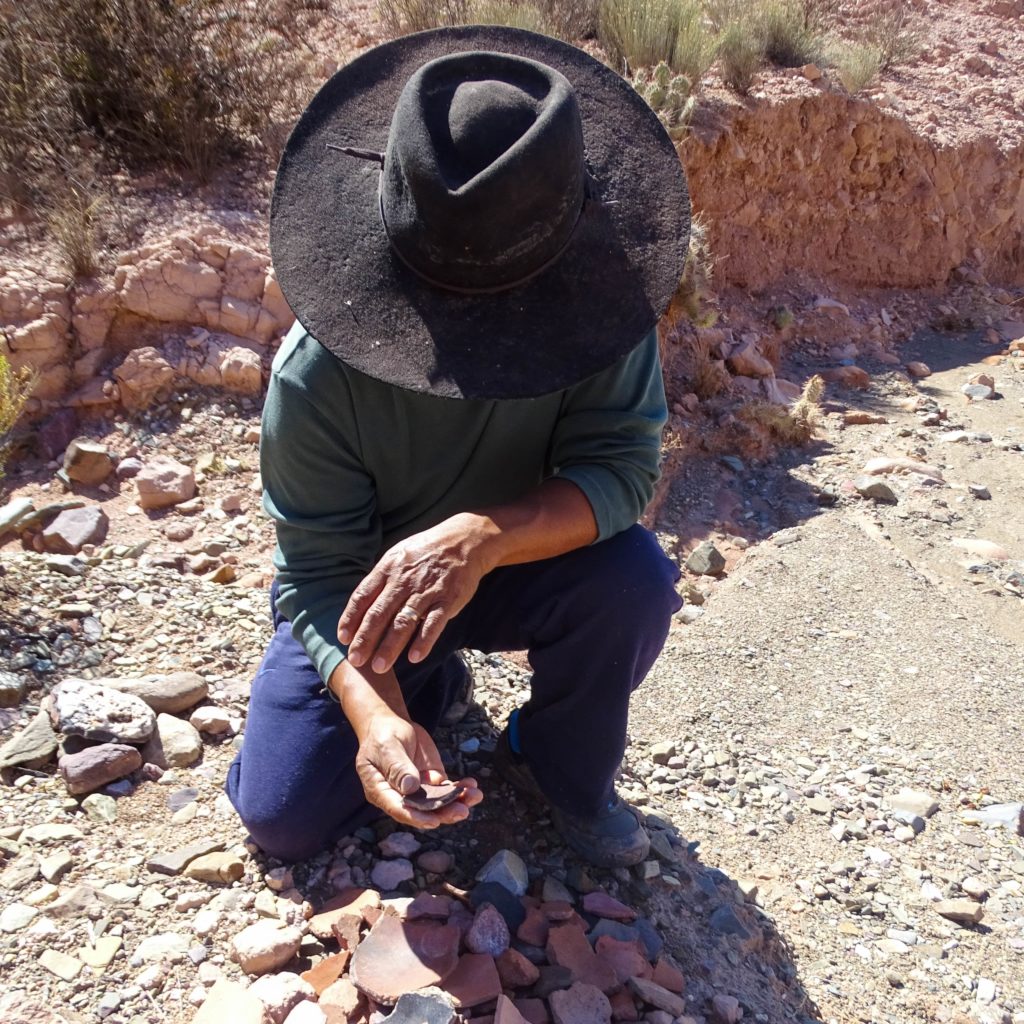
[(568, 947), (603, 905), (438, 908), (342, 1002), (623, 1007), (94, 767), (403, 956), (88, 462), (474, 981), (558, 910), (534, 1011), (74, 528), (658, 997), (350, 902), (847, 376), (534, 930), (164, 482), (506, 1013), (489, 933), (327, 971), (581, 1004), (667, 975), (918, 370), (515, 970), (726, 1010), (346, 931), (437, 862), (626, 959)]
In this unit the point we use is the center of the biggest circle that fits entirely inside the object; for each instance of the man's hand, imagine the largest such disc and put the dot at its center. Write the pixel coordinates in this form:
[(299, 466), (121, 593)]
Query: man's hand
[(394, 757), (413, 591)]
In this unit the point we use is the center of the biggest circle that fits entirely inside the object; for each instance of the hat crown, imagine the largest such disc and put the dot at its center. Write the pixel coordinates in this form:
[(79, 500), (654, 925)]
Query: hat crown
[(483, 178)]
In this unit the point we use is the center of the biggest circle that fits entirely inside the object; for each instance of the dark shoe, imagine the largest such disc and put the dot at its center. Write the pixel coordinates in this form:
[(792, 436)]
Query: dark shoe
[(459, 707), (614, 838)]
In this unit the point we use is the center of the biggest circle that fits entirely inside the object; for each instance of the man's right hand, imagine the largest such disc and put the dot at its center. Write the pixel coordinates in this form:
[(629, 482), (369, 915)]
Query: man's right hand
[(395, 755), (394, 758)]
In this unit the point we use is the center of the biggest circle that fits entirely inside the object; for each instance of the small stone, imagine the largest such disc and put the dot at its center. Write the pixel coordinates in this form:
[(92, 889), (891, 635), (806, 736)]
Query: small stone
[(165, 946), (174, 744), (73, 528), (975, 888), (65, 967), (174, 863), (725, 921), (876, 490), (388, 875), (979, 491), (437, 862), (16, 916), (210, 719), (12, 689), (342, 1001), (164, 482), (603, 905), (961, 911), (264, 947), (580, 1004), (515, 970), (909, 803), (101, 954), (280, 993), (654, 995), (976, 392), (55, 866), (820, 805), (230, 1002), (431, 1006), (96, 712), (706, 560), (87, 462), (94, 767), (508, 905), (21, 871), (100, 808), (507, 869), (216, 868), (918, 370), (399, 844), (726, 1010), (128, 469), (51, 832), (986, 991), (489, 933), (172, 693), (662, 751), (33, 746), (307, 1013), (811, 72)]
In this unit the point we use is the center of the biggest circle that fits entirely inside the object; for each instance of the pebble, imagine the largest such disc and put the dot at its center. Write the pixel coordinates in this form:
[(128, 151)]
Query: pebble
[(280, 993), (100, 808), (12, 689), (170, 694), (174, 743), (164, 946), (960, 911), (264, 947), (506, 868), (16, 916), (437, 862), (215, 867), (97, 766), (706, 560), (65, 967), (388, 875), (228, 1001), (580, 1004), (489, 932), (210, 719), (399, 844)]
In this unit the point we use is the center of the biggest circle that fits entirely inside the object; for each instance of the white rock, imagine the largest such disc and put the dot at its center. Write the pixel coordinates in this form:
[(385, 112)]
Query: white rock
[(399, 844), (264, 947), (280, 993), (210, 719), (17, 916), (96, 712), (166, 946), (174, 743)]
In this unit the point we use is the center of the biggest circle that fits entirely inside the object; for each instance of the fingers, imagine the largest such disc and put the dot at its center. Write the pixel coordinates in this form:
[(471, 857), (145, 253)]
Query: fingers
[(381, 795), (402, 774), (432, 627), (361, 599), (394, 640), (428, 757), (376, 621)]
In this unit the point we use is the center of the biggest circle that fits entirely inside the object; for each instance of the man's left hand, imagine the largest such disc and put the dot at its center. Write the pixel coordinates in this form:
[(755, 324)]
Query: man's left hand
[(412, 592)]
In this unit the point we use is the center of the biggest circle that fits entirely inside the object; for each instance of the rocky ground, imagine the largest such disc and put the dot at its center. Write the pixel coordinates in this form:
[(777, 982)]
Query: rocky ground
[(828, 749)]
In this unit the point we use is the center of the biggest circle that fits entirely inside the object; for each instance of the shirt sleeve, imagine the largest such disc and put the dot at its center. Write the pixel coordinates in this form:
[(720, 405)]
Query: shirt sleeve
[(323, 503), (608, 437)]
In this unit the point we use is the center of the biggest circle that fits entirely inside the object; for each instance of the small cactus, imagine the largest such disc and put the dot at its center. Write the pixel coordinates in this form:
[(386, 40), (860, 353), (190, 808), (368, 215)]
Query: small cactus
[(669, 96)]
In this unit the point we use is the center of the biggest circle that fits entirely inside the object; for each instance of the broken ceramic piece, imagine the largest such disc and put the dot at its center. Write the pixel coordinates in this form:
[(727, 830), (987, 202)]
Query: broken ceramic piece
[(431, 798)]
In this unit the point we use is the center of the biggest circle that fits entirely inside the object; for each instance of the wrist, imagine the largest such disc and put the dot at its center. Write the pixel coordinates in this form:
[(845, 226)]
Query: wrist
[(477, 538), (365, 696)]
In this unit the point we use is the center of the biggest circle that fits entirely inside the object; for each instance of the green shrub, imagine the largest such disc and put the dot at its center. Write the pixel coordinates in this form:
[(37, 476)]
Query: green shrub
[(15, 388), (642, 33), (510, 14), (571, 20), (400, 17), (790, 38), (740, 56), (857, 64), (184, 83)]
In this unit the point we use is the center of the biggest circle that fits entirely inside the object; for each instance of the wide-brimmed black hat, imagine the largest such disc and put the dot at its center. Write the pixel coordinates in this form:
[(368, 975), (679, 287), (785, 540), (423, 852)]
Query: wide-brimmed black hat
[(479, 213)]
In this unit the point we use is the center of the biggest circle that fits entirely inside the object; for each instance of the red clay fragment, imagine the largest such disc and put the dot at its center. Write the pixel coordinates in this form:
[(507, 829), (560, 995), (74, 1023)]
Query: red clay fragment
[(430, 798)]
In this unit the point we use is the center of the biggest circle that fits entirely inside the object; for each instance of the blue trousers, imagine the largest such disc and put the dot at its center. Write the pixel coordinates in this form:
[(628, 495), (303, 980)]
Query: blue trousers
[(592, 621)]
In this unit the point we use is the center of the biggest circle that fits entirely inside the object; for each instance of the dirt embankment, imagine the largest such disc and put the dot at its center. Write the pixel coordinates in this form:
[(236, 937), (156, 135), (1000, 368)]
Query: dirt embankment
[(831, 188)]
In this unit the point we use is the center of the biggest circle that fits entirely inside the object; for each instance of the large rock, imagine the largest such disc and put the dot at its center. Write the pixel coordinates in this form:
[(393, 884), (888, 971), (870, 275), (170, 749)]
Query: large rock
[(143, 374), (33, 746), (87, 462), (241, 371), (173, 744), (230, 1002), (747, 361), (172, 693), (280, 993), (74, 528), (264, 947), (164, 482), (94, 767), (99, 713), (706, 560)]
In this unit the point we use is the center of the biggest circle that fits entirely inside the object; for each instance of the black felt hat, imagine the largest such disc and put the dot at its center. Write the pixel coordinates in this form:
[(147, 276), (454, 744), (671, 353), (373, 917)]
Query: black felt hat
[(479, 213)]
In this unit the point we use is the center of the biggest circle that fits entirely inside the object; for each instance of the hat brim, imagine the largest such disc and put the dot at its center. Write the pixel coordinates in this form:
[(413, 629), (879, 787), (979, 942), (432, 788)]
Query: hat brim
[(592, 306)]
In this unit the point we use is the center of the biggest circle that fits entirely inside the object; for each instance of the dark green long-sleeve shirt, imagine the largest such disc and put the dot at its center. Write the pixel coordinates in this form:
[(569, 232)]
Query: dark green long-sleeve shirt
[(351, 465)]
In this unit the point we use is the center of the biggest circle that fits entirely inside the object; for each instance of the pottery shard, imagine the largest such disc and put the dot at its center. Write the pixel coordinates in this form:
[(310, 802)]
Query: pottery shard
[(94, 767), (164, 482), (747, 361), (580, 1004), (603, 905), (87, 462), (474, 981), (349, 902), (264, 947), (98, 713), (327, 971), (654, 995), (229, 1001), (73, 528), (173, 744), (515, 970), (403, 956), (626, 959), (342, 1002), (568, 947), (171, 693)]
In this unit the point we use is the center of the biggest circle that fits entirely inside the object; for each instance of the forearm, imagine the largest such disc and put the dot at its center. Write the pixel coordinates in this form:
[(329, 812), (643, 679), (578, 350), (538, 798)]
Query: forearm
[(554, 518), (364, 694)]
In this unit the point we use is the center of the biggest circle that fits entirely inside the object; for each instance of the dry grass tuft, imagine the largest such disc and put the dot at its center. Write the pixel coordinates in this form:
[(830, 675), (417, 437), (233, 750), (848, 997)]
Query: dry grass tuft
[(790, 36), (795, 425), (15, 388), (639, 34), (510, 14), (740, 56), (401, 17), (74, 215), (857, 64)]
